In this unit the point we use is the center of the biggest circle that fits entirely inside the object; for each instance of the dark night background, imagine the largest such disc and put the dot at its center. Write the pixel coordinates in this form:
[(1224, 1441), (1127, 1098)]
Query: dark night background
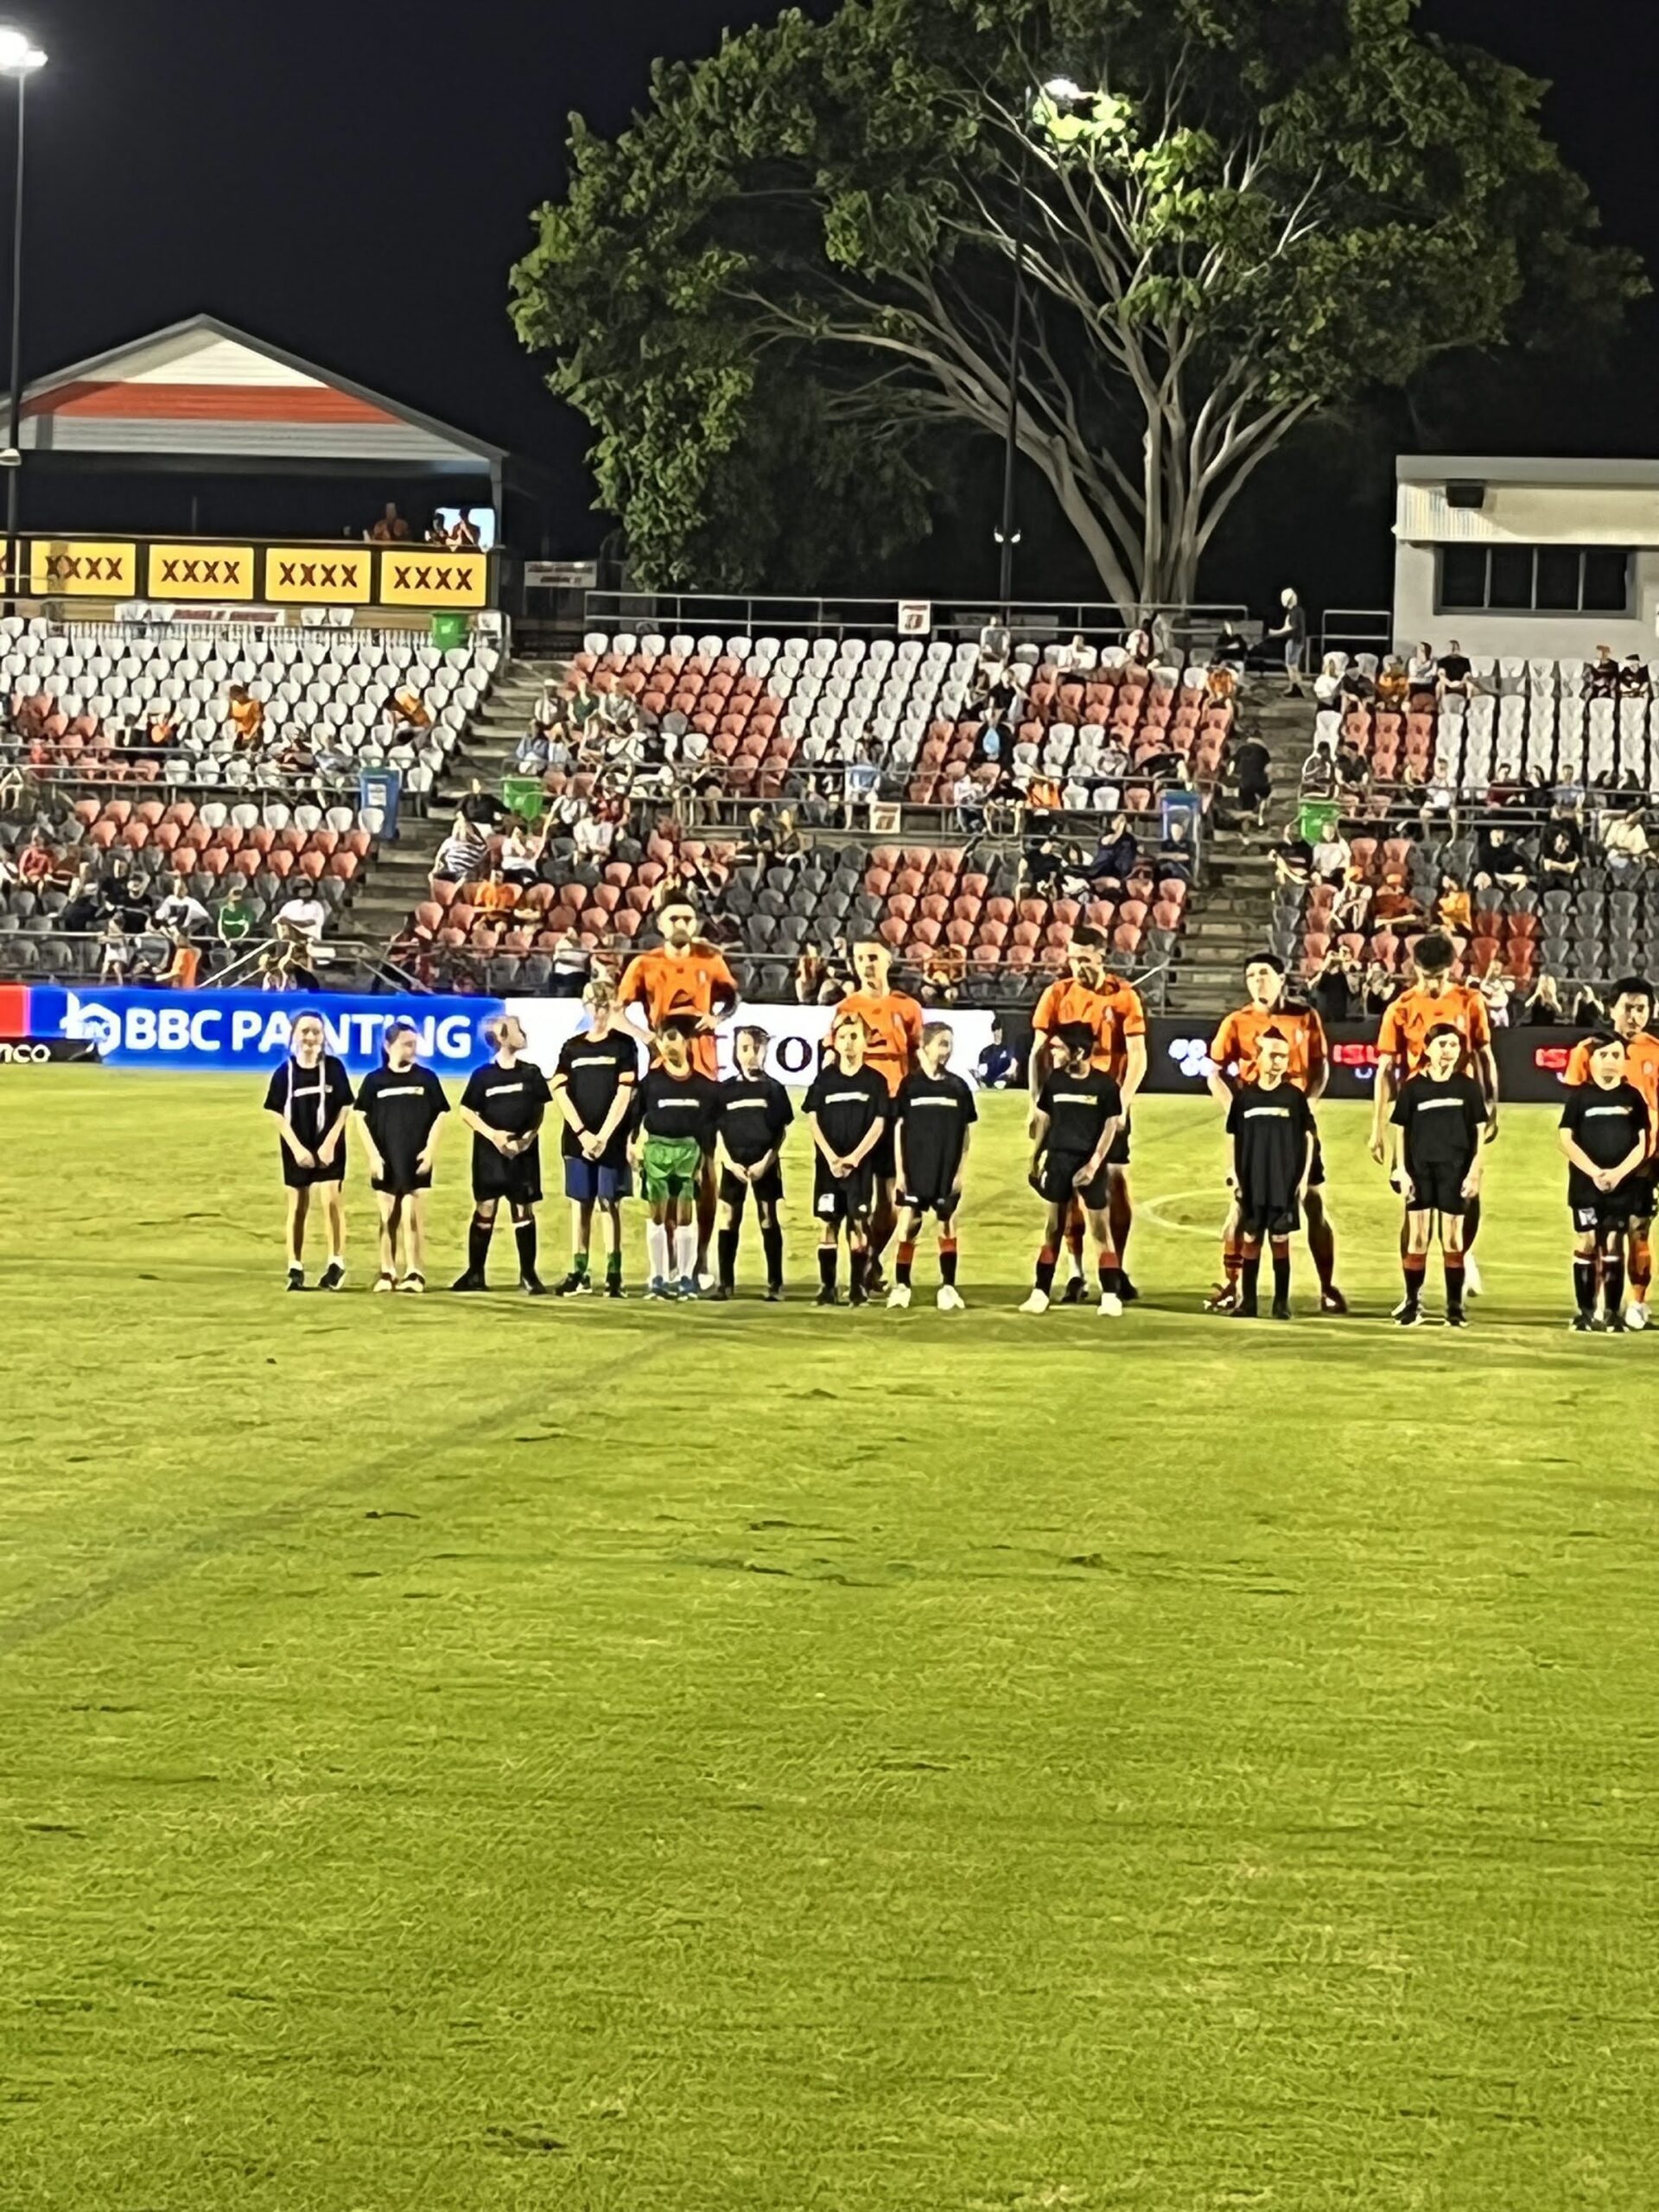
[(353, 179)]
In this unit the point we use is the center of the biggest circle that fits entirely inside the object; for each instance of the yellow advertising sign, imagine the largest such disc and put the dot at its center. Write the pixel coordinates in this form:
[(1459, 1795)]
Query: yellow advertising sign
[(218, 573), (426, 576), (68, 568), (317, 575)]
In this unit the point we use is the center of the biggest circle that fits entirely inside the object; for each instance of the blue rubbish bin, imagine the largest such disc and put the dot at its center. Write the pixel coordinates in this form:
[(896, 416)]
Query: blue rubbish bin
[(382, 788)]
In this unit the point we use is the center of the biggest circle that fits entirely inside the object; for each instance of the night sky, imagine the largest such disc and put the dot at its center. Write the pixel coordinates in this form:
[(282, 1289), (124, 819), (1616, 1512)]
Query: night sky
[(353, 178)]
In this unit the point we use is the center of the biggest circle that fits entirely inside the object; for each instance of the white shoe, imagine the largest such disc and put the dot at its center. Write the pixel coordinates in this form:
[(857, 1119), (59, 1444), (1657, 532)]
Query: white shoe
[(898, 1298), (949, 1300), (1636, 1314), (1037, 1303), (1111, 1305), (1472, 1285)]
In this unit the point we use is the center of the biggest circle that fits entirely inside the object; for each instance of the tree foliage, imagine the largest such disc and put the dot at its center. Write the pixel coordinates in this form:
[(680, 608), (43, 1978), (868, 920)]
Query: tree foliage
[(798, 262)]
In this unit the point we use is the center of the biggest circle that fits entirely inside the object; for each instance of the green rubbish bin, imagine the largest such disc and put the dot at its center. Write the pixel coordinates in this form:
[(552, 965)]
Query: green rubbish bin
[(523, 795), (1318, 818), (448, 631)]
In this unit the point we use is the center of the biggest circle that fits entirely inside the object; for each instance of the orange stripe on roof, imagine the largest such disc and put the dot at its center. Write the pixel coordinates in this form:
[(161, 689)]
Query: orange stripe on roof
[(208, 403)]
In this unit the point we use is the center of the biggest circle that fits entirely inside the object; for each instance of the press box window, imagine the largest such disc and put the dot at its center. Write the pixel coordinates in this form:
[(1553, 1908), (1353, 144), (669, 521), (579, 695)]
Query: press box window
[(1534, 580)]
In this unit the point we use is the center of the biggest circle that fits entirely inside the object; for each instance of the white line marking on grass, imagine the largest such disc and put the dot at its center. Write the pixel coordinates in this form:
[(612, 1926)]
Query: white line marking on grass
[(1152, 1210)]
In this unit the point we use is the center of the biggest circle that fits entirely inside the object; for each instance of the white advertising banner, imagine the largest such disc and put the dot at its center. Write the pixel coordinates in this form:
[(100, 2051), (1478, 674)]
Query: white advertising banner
[(796, 1033)]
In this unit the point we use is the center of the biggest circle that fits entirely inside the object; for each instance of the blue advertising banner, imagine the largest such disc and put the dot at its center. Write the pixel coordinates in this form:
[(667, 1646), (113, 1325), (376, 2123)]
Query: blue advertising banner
[(246, 1030)]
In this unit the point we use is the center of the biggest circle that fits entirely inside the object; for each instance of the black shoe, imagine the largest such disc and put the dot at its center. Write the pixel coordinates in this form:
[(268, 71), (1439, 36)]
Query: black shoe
[(1332, 1301), (774, 1293), (829, 1295), (573, 1285), (470, 1280), (1456, 1318), (875, 1283), (1583, 1324), (1126, 1289), (332, 1276), (533, 1287), (1614, 1325), (721, 1294), (614, 1287), (1409, 1316), (1281, 1309), (1074, 1293), (858, 1295), (296, 1278), (1246, 1309)]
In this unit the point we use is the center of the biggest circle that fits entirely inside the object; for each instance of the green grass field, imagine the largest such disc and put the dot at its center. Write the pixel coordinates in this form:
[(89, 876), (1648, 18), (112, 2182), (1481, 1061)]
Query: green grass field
[(477, 1754)]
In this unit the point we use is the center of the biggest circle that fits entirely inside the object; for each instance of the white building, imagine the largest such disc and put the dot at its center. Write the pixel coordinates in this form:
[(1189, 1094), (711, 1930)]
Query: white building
[(1541, 559)]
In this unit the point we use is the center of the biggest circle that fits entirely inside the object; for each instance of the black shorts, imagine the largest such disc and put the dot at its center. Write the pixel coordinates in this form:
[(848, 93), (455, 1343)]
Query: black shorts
[(1118, 1153), (304, 1179), (769, 1191), (1056, 1181), (402, 1178), (931, 1194), (850, 1198), (1600, 1211), (519, 1179), (1267, 1213), (1438, 1188)]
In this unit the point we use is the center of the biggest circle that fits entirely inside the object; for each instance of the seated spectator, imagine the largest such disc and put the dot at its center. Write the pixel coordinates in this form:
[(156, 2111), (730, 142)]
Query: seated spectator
[(862, 779), (1588, 1011), (1393, 684), (1353, 773), (390, 528), (126, 896), (480, 806), (184, 967), (1114, 856), (235, 918), (1317, 777), (1422, 673), (1560, 859), (1293, 857), (594, 834), (1500, 861), (1327, 685), (1351, 909), (1634, 680), (465, 535), (1176, 855), (1141, 649), (37, 863), (1509, 787), (114, 953), (182, 911), (1456, 671), (462, 853), (408, 709), (571, 966), (968, 802), (1394, 901), (1357, 688), (1601, 676), (437, 530), (246, 715), (1381, 988), (818, 808), (301, 920), (944, 972), (1439, 800), (495, 895), (1070, 658), (1040, 866), (530, 756), (1332, 856), (1232, 649), (1453, 910), (521, 853), (1544, 1007), (1624, 842), (810, 971), (999, 1065), (83, 910), (295, 756), (1493, 988), (1337, 988), (1220, 683)]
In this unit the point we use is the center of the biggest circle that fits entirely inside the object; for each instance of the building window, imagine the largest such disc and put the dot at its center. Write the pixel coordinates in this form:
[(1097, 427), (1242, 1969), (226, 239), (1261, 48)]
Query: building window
[(1534, 580)]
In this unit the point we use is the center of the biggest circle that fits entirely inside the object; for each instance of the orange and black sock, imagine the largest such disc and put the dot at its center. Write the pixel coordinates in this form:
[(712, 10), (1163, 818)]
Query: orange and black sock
[(906, 1260), (1281, 1270), (948, 1261), (1454, 1273), (1415, 1266), (1045, 1263)]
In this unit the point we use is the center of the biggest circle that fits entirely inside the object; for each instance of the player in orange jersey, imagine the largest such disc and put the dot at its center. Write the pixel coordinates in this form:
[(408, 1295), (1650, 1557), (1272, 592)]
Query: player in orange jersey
[(1089, 992), (1232, 1063), (894, 1022), (1433, 1002), (1629, 1005), (688, 979)]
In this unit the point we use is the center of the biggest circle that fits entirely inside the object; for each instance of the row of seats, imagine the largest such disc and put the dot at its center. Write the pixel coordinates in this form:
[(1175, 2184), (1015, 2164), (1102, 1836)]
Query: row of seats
[(1567, 741), (1591, 932)]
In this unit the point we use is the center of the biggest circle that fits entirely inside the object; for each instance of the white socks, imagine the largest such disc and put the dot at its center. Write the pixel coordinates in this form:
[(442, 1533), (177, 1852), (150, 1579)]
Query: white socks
[(685, 1239), (657, 1251)]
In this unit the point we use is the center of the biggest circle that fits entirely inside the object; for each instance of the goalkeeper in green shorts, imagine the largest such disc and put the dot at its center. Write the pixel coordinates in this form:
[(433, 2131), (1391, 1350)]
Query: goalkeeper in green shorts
[(674, 1118)]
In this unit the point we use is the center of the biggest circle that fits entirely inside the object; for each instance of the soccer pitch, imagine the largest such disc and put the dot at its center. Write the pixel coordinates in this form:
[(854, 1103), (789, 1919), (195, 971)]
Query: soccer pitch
[(465, 1754)]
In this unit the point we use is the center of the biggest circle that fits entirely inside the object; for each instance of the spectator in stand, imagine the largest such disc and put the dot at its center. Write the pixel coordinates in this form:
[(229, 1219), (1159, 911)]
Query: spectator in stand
[(390, 528), (810, 971), (1177, 854), (1456, 671), (1439, 800), (530, 756), (235, 918), (465, 535), (276, 971), (1220, 683), (862, 781), (1635, 681), (1293, 857), (1493, 988), (521, 853), (1393, 685), (571, 966), (1141, 648), (1544, 1008), (1293, 630), (1381, 988), (462, 853), (1500, 861), (83, 909), (1357, 688), (182, 911), (999, 1066), (944, 972), (294, 757), (1353, 772), (594, 834), (1337, 986), (1588, 1011), (1561, 857), (1318, 778), (127, 897), (480, 806), (496, 896), (37, 863), (1327, 685), (967, 803), (1454, 911), (1393, 903), (1332, 856), (818, 808), (1232, 649), (299, 923), (1601, 676), (184, 967), (1509, 787), (1114, 858), (247, 716), (437, 530), (1423, 675), (1625, 844), (1350, 910), (1250, 765), (114, 953)]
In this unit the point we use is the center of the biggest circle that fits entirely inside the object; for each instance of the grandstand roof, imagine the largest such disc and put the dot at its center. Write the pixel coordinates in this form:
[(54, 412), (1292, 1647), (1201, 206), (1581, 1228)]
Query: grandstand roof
[(1437, 467), (202, 391)]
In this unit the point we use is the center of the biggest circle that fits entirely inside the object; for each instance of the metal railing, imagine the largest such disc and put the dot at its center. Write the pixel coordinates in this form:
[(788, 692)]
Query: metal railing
[(1356, 630)]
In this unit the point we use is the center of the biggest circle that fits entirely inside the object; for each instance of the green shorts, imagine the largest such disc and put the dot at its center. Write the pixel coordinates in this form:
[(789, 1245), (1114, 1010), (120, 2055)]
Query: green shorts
[(670, 1167)]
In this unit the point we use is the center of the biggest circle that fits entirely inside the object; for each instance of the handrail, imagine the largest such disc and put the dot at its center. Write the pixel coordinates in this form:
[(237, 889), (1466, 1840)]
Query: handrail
[(1348, 628), (831, 615)]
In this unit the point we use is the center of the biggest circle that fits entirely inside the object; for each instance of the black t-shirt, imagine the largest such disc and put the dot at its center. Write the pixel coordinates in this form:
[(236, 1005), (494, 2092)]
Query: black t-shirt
[(1078, 1108), (1442, 1121), (1252, 761), (513, 1099), (676, 1106), (401, 1107), (311, 1100), (1607, 1125), (592, 1069), (1269, 1131), (935, 1113), (847, 1106), (1454, 667), (753, 1111)]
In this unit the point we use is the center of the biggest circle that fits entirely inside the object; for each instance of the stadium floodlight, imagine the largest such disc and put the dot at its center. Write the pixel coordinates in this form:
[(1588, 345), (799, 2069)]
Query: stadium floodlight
[(19, 55)]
